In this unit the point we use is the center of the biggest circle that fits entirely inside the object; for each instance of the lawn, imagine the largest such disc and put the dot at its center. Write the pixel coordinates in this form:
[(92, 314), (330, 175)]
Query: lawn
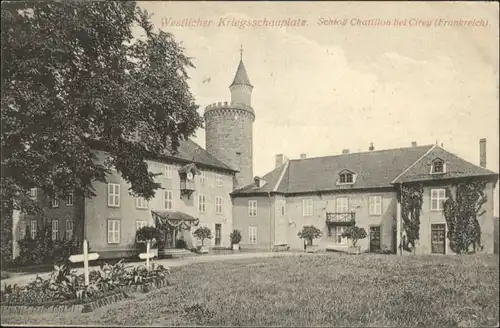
[(327, 290)]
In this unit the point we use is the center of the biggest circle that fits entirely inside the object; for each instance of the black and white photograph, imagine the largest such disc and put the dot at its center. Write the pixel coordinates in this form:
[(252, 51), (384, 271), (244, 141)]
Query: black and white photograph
[(249, 163)]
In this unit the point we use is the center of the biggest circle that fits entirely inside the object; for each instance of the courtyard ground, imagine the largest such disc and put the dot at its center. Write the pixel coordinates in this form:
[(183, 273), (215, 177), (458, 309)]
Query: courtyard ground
[(328, 290)]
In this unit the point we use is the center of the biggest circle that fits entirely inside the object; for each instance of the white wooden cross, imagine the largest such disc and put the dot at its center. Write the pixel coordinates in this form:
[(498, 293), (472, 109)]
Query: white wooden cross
[(85, 258), (148, 255)]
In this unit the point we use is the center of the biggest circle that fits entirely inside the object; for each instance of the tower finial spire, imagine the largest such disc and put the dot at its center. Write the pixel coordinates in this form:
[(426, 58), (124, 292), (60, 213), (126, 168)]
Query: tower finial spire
[(241, 52)]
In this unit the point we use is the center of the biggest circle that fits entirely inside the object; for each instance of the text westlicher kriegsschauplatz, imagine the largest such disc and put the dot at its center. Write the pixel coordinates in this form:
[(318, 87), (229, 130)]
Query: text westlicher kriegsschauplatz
[(227, 22)]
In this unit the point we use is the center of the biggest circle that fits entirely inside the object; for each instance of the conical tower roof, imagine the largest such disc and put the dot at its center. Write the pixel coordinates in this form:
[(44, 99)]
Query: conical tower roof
[(241, 76)]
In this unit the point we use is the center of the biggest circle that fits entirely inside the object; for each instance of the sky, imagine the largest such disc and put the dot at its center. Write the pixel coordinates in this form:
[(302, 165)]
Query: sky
[(321, 88)]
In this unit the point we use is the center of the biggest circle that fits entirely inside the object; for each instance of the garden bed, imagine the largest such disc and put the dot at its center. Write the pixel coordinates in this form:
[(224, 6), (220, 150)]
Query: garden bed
[(64, 292)]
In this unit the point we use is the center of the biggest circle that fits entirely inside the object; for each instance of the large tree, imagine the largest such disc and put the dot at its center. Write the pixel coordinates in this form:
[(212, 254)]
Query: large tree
[(72, 73)]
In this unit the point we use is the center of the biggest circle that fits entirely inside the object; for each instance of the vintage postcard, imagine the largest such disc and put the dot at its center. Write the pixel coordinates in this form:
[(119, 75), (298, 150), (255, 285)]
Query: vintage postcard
[(169, 163)]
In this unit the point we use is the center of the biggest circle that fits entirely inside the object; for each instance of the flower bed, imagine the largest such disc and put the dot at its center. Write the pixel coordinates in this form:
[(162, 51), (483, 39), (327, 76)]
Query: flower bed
[(65, 291)]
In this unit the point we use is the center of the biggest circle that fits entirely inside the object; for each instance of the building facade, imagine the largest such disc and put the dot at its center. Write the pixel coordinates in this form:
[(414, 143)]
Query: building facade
[(110, 219), (336, 191)]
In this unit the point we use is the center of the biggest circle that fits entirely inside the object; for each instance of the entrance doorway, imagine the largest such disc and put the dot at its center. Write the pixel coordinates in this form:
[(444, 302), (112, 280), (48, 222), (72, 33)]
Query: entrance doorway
[(438, 240), (218, 233), (375, 239), (170, 237)]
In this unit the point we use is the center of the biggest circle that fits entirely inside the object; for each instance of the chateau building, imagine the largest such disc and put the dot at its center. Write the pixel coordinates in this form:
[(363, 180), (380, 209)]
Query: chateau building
[(216, 188), (196, 188), (333, 192)]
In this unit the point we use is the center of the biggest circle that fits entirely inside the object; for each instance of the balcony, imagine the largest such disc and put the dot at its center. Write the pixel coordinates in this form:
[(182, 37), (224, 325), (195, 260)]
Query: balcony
[(343, 218)]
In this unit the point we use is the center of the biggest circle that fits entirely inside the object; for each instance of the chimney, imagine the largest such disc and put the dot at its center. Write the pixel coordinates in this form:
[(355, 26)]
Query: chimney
[(279, 160), (371, 147), (414, 144), (302, 156), (345, 151), (482, 152)]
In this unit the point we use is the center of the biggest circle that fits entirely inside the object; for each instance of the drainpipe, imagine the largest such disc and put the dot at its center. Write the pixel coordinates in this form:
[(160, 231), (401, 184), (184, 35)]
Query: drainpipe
[(270, 222)]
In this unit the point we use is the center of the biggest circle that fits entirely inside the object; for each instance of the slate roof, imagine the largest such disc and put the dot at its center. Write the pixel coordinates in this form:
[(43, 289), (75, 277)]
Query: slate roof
[(455, 168), (190, 151), (187, 152), (241, 76), (374, 169)]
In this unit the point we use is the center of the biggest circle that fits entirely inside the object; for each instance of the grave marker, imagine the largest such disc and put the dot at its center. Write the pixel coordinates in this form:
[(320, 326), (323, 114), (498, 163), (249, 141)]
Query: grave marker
[(85, 258)]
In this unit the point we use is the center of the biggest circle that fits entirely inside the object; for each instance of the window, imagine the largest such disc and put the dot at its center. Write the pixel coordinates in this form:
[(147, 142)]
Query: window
[(168, 171), (218, 180), (33, 229), (342, 205), (375, 205), (113, 195), (337, 234), (140, 224), (346, 178), (69, 229), (22, 229), (202, 177), (282, 207), (218, 205), (113, 231), (307, 207), (141, 203), (438, 196), (33, 193), (252, 235), (55, 229), (438, 167), (201, 203), (69, 200), (168, 200), (55, 202), (252, 208)]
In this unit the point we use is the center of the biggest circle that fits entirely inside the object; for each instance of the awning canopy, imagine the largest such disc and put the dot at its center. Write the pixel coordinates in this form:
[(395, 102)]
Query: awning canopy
[(169, 219)]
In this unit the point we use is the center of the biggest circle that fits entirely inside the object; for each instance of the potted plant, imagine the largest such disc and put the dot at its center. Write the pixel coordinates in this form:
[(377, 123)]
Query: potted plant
[(201, 234), (235, 239), (151, 234), (309, 233), (354, 233)]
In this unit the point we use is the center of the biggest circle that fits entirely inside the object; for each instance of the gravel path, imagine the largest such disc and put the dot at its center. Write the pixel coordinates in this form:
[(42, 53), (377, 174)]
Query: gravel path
[(22, 279)]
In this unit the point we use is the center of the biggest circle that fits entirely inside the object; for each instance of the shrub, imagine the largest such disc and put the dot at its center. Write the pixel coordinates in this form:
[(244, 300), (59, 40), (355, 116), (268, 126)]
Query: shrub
[(152, 234), (203, 233), (43, 249), (309, 233), (354, 233), (180, 243), (235, 237)]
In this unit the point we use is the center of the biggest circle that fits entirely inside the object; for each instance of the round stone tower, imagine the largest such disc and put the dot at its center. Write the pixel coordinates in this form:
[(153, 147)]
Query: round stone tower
[(228, 128)]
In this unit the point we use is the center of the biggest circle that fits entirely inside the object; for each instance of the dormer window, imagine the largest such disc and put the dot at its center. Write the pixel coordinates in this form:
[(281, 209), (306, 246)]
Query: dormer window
[(346, 177), (258, 182), (438, 166)]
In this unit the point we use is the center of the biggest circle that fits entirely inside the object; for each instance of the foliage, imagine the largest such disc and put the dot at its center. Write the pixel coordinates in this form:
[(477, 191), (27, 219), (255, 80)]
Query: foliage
[(64, 287), (203, 233), (410, 197), (309, 233), (354, 233), (72, 73), (44, 250), (235, 237), (461, 211), (180, 243), (152, 234)]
